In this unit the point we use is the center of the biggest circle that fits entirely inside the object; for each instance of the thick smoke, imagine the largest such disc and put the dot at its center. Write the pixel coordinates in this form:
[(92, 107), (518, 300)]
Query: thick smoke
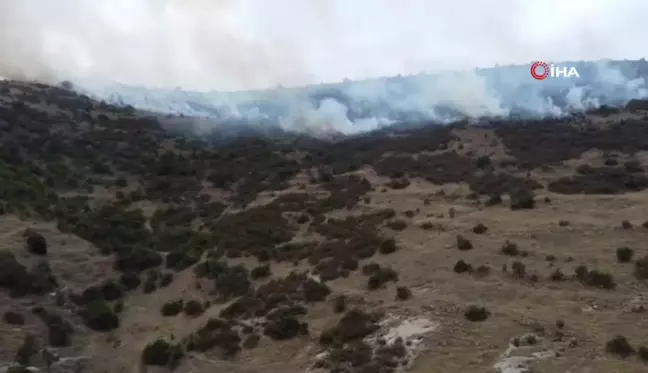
[(225, 54)]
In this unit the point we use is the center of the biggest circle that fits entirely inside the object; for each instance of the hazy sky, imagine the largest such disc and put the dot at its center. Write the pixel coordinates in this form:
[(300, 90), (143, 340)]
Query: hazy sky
[(238, 44)]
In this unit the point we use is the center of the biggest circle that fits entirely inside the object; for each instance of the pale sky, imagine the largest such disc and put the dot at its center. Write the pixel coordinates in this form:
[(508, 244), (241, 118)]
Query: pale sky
[(240, 44)]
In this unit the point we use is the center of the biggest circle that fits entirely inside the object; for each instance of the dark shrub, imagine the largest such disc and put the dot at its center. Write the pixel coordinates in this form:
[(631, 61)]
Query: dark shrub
[(303, 219), (13, 318), (581, 273), (624, 254), (397, 225), (111, 291), (42, 279), (285, 327), (480, 228), (641, 268), (27, 350), (355, 324), (403, 293), (99, 317), (560, 324), (388, 246), (643, 353), (380, 277), (59, 332), (339, 305), (557, 275), (130, 280), (476, 313), (251, 341), (172, 308), (166, 279), (13, 275), (626, 224), (522, 198), (161, 353), (463, 244), (233, 282), (510, 249), (327, 337), (193, 308), (483, 162), (519, 269), (600, 279), (36, 243), (462, 267), (619, 345), (315, 291), (261, 271)]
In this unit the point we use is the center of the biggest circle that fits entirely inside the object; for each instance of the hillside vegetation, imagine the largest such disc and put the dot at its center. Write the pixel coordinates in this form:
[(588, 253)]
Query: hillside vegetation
[(467, 248)]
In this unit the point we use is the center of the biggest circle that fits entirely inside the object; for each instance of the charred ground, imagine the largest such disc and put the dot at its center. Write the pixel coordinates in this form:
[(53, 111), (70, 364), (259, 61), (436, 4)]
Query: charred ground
[(128, 246)]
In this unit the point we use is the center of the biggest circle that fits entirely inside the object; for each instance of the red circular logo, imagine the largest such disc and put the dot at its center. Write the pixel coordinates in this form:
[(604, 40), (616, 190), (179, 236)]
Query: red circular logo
[(534, 72)]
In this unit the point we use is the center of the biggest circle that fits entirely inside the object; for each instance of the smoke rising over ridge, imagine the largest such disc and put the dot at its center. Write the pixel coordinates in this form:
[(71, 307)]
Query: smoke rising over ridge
[(209, 47)]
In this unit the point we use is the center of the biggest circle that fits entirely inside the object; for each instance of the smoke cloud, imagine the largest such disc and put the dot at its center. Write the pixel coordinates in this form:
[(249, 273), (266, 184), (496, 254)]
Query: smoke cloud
[(222, 52)]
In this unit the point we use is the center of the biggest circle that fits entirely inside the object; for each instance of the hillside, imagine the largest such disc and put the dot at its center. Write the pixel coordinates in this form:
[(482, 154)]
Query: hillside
[(505, 246), (355, 106)]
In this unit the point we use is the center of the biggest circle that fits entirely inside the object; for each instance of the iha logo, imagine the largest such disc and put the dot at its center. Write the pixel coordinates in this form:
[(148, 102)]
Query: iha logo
[(541, 70)]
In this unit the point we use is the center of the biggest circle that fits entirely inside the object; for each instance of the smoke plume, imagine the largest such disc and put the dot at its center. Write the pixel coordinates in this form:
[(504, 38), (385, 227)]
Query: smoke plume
[(218, 58)]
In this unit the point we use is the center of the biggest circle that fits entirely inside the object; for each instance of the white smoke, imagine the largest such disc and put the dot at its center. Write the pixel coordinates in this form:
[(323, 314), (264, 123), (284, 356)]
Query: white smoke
[(218, 46)]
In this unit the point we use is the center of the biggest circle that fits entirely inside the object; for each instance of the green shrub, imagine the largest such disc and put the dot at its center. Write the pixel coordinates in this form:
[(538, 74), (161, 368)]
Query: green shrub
[(643, 353), (476, 313), (193, 308), (641, 268), (388, 246), (130, 280), (36, 243), (340, 303), (111, 291), (172, 308), (261, 271), (480, 229), (463, 244), (166, 279), (27, 350), (315, 291), (98, 316), (461, 267), (162, 353), (509, 248), (619, 345), (521, 198), (13, 318), (519, 269), (624, 254), (403, 293)]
